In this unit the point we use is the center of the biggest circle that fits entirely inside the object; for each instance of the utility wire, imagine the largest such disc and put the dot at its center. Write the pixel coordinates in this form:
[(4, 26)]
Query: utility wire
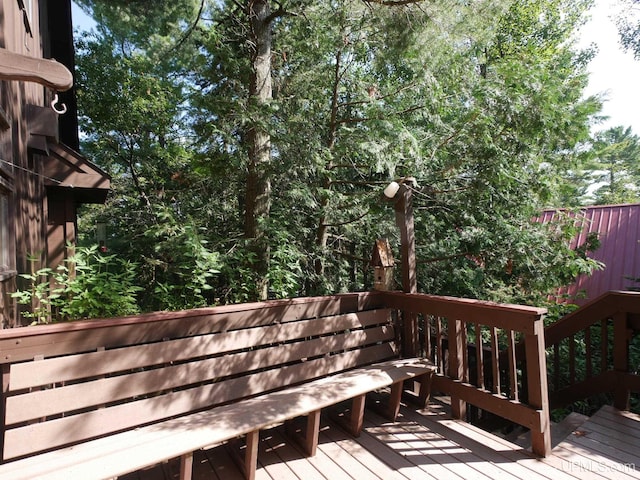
[(54, 180)]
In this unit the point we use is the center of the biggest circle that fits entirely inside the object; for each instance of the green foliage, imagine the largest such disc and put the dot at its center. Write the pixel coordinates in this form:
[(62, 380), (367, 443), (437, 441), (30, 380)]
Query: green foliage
[(180, 265), (442, 91), (628, 23), (89, 285), (615, 166)]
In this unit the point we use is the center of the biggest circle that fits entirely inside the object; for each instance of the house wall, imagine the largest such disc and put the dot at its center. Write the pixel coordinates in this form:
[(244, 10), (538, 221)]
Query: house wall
[(22, 181)]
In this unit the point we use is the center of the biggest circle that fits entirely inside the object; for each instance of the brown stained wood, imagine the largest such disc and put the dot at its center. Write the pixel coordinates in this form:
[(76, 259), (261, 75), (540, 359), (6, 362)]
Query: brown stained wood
[(598, 309), (186, 466), (102, 362), (3, 401), (504, 316), (312, 432), (61, 431), (84, 336), (495, 361), (517, 412), (465, 352), (457, 367), (572, 358), (513, 372), (556, 367), (538, 392), (439, 346), (404, 220), (479, 357), (39, 403), (52, 74), (425, 389), (356, 417), (621, 336), (251, 454), (394, 401), (604, 382), (120, 453)]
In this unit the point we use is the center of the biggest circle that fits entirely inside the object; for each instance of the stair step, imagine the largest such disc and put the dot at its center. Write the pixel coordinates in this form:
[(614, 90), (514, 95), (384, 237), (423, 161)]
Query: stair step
[(559, 431)]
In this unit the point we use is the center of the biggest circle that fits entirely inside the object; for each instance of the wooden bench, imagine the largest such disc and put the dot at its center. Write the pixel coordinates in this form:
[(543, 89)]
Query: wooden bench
[(103, 398)]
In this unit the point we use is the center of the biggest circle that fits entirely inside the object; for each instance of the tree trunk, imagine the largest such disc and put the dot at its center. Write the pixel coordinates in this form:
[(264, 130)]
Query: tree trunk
[(322, 234), (258, 202)]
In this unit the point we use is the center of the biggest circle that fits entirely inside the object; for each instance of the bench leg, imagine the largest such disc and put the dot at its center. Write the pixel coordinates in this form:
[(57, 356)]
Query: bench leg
[(312, 433), (251, 455), (425, 389), (186, 466), (394, 400), (357, 415)]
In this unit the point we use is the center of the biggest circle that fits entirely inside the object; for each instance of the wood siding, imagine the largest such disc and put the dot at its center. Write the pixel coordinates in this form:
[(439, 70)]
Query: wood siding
[(42, 205)]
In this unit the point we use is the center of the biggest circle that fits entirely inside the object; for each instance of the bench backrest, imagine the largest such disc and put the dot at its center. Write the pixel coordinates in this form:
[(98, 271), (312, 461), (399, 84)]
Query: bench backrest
[(67, 398)]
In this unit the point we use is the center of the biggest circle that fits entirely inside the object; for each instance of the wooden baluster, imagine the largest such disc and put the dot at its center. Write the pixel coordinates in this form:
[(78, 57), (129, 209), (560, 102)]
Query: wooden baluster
[(495, 361), (479, 357), (465, 353), (589, 353), (457, 365), (439, 353), (604, 346), (556, 367), (513, 373), (572, 359)]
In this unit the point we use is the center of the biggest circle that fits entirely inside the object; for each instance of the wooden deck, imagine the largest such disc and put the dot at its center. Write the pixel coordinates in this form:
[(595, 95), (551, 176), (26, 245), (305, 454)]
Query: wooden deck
[(430, 445)]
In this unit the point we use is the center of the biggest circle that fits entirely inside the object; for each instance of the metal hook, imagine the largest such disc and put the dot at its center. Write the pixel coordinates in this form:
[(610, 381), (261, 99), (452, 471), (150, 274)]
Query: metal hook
[(60, 111)]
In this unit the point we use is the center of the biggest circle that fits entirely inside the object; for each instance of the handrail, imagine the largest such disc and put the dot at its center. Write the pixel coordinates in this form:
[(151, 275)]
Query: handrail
[(459, 335), (598, 334)]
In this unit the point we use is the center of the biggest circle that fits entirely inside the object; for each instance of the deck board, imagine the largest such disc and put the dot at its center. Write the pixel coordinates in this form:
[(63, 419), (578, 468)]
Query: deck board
[(429, 445)]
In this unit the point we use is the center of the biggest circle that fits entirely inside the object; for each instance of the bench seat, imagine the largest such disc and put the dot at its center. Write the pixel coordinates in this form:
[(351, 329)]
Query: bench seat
[(121, 453), (101, 398)]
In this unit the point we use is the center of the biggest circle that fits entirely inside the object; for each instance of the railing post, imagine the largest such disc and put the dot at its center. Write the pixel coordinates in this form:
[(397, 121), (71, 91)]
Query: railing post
[(5, 370), (457, 367), (622, 394), (537, 388), (404, 220)]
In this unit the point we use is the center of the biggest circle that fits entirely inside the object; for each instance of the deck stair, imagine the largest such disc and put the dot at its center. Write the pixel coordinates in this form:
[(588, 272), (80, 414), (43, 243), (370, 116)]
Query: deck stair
[(559, 430), (607, 440)]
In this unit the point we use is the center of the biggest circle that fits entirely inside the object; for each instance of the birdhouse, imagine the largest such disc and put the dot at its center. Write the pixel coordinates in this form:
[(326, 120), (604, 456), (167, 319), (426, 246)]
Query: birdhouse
[(383, 263)]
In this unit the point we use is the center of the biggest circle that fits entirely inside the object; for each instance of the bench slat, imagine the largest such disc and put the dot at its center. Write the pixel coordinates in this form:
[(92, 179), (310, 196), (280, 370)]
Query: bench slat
[(73, 367), (84, 336), (110, 456), (42, 403), (40, 436)]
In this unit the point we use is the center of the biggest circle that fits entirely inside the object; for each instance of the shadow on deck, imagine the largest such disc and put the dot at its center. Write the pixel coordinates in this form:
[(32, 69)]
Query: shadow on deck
[(430, 445)]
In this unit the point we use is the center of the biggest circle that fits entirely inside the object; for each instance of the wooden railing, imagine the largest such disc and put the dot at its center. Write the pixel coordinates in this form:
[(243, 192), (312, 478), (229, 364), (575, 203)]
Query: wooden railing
[(589, 351), (465, 339)]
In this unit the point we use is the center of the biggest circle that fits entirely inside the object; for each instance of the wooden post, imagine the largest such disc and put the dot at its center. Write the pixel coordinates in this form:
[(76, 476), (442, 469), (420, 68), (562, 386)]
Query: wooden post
[(538, 389), (5, 372), (404, 221), (457, 367), (186, 466), (622, 393), (251, 455)]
